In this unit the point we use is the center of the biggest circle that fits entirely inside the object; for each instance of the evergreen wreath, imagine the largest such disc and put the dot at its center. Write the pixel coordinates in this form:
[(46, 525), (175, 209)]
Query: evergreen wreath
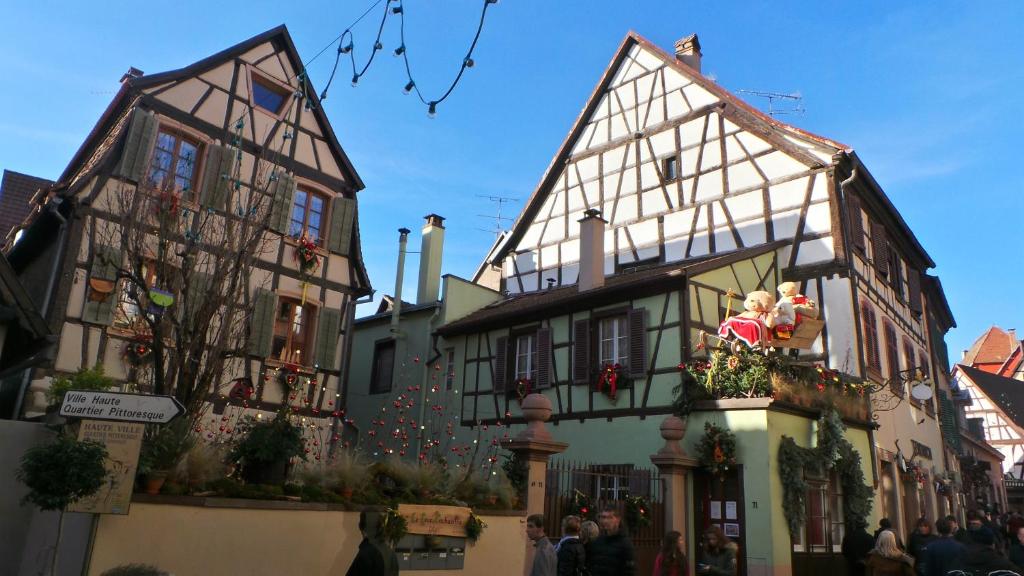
[(638, 512), (581, 506), (474, 527), (393, 527), (834, 452), (306, 255), (717, 450)]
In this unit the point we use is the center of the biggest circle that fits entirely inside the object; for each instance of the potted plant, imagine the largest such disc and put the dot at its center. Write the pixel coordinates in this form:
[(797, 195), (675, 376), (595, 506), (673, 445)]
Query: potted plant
[(265, 449), (162, 448), (85, 379), (426, 479), (61, 473)]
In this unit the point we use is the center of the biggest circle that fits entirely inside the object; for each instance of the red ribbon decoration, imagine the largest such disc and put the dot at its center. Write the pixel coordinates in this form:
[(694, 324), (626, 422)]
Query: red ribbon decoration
[(610, 376)]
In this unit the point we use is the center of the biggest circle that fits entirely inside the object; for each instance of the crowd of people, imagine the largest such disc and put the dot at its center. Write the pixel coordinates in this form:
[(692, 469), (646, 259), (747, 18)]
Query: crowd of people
[(988, 545), (587, 548)]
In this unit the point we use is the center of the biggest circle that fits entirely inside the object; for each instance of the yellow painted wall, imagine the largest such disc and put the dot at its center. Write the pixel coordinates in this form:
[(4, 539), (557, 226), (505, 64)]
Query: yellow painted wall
[(199, 541)]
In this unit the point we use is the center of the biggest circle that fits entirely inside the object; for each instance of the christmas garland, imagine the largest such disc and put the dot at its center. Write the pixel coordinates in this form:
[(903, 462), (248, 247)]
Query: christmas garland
[(638, 512), (393, 527), (834, 452), (717, 450), (610, 377), (581, 505), (139, 350), (307, 256), (474, 527)]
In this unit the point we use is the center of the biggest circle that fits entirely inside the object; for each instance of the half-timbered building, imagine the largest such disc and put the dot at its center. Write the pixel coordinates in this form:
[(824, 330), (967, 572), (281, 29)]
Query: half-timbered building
[(994, 410), (668, 194), (239, 141)]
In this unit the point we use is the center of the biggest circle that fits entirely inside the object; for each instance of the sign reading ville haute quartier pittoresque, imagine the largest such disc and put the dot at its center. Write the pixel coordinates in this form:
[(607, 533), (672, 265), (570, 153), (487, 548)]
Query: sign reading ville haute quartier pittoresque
[(121, 406)]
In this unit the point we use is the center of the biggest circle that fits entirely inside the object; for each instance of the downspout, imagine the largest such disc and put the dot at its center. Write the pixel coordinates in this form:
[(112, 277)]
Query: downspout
[(53, 206)]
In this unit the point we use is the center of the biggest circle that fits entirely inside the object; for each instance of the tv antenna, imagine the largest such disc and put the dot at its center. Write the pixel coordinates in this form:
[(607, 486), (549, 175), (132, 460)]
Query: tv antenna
[(795, 97), (498, 219)]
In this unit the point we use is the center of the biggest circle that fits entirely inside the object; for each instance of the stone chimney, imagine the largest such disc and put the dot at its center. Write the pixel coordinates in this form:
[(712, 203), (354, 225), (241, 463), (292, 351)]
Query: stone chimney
[(591, 251), (430, 259), (131, 74), (688, 51)]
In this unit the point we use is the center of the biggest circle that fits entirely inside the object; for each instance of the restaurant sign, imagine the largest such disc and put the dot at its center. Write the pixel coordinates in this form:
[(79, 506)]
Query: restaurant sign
[(435, 520)]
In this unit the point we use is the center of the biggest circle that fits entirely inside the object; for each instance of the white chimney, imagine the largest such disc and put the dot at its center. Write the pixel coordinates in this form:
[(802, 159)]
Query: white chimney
[(396, 306), (591, 251), (688, 51), (430, 259)]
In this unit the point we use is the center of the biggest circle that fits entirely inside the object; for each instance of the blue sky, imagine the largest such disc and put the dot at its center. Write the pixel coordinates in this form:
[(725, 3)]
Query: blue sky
[(930, 98)]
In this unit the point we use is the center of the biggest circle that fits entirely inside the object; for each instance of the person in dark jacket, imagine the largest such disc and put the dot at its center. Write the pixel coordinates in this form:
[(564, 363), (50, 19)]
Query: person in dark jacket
[(612, 553), (857, 544), (956, 530), (569, 550), (374, 556), (981, 557), (944, 551), (718, 554), (919, 541), (1017, 547)]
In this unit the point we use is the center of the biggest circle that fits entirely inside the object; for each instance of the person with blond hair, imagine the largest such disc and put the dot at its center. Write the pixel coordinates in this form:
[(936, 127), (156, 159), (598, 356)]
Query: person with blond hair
[(887, 559)]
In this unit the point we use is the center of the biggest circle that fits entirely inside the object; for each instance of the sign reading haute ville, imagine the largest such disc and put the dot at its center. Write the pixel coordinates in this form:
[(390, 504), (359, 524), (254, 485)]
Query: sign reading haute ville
[(121, 406), (435, 520)]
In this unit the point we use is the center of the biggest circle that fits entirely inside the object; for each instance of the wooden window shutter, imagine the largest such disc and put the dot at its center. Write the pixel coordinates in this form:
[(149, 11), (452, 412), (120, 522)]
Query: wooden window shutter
[(880, 248), (870, 337), (500, 363), (343, 217), (261, 324), (856, 221), (581, 351), (137, 145), (637, 343), (543, 340), (327, 329), (914, 289), (105, 264), (219, 167), (283, 190), (199, 286)]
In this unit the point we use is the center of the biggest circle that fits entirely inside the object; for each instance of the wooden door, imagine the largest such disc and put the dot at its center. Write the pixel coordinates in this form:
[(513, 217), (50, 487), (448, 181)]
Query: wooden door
[(720, 501)]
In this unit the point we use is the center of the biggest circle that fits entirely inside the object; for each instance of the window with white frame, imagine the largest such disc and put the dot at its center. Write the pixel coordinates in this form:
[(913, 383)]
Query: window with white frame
[(613, 340), (526, 361), (449, 369)]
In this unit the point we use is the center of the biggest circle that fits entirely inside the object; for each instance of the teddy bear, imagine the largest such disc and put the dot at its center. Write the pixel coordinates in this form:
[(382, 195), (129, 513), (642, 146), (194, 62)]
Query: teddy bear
[(790, 309), (751, 326)]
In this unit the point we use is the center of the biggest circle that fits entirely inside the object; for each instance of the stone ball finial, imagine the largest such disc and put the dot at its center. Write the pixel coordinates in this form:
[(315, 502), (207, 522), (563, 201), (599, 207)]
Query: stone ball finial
[(536, 410), (672, 430)]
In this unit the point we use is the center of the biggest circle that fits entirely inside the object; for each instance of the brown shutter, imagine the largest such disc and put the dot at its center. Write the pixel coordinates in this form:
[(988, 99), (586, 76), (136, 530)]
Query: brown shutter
[(914, 289), (638, 343), (856, 221), (500, 363), (581, 351), (543, 340), (880, 247)]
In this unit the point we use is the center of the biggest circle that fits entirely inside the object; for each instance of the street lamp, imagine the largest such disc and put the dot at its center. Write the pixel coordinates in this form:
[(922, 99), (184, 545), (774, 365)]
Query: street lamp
[(885, 397)]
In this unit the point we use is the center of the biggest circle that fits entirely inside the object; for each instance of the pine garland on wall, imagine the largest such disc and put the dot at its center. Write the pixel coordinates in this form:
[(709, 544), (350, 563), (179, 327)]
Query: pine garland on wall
[(834, 451)]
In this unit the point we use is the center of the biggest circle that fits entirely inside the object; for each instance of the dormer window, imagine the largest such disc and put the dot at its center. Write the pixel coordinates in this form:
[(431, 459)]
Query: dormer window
[(267, 95)]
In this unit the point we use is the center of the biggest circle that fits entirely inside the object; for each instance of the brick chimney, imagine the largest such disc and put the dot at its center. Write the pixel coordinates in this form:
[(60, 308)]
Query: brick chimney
[(688, 51), (430, 259), (591, 251)]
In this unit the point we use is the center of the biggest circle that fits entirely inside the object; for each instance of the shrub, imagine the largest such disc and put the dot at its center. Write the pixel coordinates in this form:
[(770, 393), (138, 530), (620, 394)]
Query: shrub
[(62, 472), (85, 379), (265, 444), (163, 446)]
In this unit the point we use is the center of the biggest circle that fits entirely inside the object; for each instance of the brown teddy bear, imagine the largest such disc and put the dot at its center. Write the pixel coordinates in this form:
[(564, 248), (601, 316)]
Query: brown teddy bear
[(751, 326)]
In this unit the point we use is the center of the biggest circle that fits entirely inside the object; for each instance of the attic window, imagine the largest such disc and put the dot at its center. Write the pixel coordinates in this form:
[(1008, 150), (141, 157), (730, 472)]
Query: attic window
[(267, 96), (670, 168)]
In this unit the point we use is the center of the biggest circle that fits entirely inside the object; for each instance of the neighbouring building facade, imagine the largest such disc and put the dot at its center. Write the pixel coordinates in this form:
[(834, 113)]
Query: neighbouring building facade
[(668, 194), (231, 145), (992, 408)]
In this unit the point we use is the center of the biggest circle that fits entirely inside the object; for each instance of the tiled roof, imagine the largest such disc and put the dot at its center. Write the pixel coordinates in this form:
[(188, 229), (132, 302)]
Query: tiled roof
[(1005, 393), (16, 190), (993, 347)]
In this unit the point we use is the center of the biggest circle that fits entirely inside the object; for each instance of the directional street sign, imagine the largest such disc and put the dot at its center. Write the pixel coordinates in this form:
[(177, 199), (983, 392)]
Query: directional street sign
[(121, 406)]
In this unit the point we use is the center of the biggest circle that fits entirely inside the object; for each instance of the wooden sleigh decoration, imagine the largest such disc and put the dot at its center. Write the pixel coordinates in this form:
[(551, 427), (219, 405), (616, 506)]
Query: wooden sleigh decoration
[(804, 333)]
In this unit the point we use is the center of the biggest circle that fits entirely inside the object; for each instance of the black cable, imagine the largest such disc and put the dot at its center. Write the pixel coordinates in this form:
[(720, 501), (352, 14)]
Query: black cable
[(350, 47)]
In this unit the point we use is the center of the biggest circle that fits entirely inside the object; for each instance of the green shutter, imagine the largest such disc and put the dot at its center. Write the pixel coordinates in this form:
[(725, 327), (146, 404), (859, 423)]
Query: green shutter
[(220, 166), (343, 217), (198, 291), (281, 204), (327, 338), (105, 264), (141, 136), (261, 325)]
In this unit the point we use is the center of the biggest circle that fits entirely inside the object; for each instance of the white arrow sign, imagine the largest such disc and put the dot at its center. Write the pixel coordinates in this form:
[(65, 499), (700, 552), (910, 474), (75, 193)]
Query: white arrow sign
[(121, 406)]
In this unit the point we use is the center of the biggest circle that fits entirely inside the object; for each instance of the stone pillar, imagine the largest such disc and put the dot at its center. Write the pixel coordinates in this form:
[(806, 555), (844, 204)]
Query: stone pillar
[(674, 465), (535, 446)]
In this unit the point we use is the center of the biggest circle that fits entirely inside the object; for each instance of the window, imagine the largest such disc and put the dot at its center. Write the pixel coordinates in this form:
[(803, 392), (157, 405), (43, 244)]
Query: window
[(449, 369), (128, 314), (612, 487), (267, 96), (526, 350), (896, 274), (922, 362), (670, 168), (383, 367), (892, 358), (872, 357), (824, 528), (293, 326), (174, 162), (307, 216), (613, 340)]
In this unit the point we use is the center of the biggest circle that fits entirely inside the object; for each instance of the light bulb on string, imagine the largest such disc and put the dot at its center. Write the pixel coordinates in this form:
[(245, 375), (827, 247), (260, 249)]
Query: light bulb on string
[(378, 46), (396, 10), (346, 48), (408, 87), (468, 62), (400, 50), (432, 110), (355, 80)]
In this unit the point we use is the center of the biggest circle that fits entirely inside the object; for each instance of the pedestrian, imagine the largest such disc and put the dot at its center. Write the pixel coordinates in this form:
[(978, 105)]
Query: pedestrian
[(857, 544), (981, 557), (1017, 547), (671, 560), (612, 553), (944, 551), (883, 525), (718, 554), (919, 541), (887, 559), (374, 556), (570, 552), (589, 531), (545, 563), (957, 531)]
